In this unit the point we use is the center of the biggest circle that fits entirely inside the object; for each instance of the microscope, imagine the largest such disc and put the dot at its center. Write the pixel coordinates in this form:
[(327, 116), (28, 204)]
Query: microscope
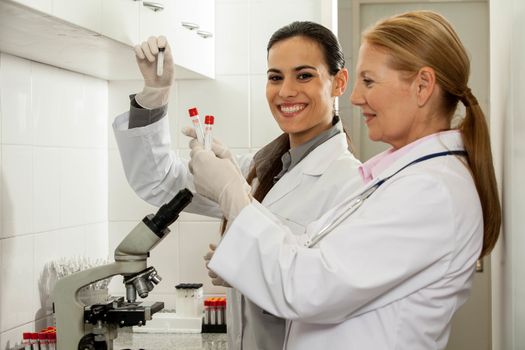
[(94, 327)]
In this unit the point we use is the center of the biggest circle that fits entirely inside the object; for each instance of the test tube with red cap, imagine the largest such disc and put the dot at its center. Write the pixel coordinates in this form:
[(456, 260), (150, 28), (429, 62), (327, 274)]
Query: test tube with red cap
[(26, 340), (208, 128), (52, 340), (194, 116), (43, 340), (34, 341)]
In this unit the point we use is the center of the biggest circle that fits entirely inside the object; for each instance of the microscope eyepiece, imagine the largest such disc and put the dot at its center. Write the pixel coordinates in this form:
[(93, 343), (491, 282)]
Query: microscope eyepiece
[(168, 213)]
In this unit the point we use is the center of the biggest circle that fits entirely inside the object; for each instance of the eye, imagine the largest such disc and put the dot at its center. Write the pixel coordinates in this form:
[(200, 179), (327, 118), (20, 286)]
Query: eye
[(304, 76), (274, 77), (368, 82)]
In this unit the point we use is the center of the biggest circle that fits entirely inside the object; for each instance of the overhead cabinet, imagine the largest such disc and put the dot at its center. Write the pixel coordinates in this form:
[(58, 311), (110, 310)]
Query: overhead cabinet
[(96, 37)]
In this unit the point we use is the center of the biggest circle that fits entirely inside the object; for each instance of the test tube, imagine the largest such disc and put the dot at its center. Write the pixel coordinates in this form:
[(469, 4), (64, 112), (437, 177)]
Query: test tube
[(223, 305), (207, 311), (160, 61), (26, 341), (213, 311), (34, 341), (52, 338), (194, 116), (208, 128), (220, 312), (42, 340)]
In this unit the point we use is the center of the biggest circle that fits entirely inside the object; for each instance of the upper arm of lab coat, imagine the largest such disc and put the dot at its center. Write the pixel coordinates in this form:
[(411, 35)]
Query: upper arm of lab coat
[(153, 170), (400, 241)]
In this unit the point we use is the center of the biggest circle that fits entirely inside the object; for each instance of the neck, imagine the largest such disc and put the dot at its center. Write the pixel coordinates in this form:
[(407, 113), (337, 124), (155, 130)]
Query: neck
[(298, 139), (433, 125)]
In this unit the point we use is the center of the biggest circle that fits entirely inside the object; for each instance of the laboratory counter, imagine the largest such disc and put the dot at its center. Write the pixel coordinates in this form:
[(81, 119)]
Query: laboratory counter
[(169, 341)]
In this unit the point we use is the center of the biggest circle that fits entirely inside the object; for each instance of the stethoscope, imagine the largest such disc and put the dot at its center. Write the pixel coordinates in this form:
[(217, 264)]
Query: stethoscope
[(357, 201)]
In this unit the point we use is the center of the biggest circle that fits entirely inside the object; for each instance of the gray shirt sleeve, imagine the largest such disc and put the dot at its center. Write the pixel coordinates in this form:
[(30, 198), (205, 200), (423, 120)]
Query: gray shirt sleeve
[(139, 116)]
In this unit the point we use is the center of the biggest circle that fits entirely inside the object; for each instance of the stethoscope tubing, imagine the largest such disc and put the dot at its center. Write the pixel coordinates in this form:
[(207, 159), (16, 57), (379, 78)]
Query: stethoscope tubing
[(358, 201)]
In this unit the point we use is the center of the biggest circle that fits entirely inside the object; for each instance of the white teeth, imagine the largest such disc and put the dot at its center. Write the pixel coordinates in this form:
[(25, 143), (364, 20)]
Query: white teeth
[(292, 109)]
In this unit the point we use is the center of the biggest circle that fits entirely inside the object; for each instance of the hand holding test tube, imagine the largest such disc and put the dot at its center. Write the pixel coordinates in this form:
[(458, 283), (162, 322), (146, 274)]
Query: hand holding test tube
[(155, 62)]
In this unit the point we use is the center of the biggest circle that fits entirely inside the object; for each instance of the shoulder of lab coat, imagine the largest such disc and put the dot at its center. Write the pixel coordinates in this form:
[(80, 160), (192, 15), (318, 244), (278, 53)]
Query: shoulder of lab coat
[(153, 169), (421, 227)]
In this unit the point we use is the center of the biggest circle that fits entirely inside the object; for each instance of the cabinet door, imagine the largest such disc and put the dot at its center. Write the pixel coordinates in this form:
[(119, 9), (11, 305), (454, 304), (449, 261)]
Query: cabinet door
[(155, 18), (120, 20), (192, 34), (45, 6), (189, 28), (206, 37), (84, 13)]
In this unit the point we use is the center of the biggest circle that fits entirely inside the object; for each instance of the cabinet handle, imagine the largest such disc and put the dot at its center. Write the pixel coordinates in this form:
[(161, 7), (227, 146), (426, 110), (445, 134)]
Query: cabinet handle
[(153, 6), (204, 34), (190, 25)]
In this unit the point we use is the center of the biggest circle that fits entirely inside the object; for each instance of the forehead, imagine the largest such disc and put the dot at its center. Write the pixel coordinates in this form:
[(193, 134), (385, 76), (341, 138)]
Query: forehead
[(297, 50), (371, 57)]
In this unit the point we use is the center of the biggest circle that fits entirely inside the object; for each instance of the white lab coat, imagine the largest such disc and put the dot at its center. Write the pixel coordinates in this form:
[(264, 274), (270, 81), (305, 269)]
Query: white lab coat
[(322, 179), (390, 276)]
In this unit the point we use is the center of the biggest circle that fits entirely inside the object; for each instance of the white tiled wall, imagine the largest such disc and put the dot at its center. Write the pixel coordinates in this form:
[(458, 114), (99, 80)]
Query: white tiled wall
[(53, 183), (243, 121)]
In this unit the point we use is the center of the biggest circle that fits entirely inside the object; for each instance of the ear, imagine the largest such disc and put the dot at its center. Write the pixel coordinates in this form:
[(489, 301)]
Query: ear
[(340, 82), (425, 84)]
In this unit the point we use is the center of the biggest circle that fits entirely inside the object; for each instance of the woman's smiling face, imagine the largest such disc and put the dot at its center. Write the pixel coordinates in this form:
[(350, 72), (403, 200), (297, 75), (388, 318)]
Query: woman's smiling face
[(387, 99), (299, 89)]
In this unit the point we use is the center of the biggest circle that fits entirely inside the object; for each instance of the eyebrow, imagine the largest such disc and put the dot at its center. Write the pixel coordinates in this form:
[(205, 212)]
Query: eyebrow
[(298, 68)]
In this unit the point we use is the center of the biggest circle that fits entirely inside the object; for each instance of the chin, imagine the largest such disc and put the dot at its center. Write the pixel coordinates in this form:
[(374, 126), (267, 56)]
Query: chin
[(373, 137)]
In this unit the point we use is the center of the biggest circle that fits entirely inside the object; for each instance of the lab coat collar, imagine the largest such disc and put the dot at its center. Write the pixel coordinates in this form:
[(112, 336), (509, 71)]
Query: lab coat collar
[(314, 164), (444, 141)]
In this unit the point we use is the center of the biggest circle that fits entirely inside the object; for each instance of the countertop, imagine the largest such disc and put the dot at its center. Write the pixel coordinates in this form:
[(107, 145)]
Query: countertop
[(169, 341)]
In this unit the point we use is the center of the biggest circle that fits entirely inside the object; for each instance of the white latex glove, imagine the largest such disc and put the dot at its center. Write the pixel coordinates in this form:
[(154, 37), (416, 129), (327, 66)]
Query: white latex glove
[(221, 150), (215, 279), (219, 180), (156, 89)]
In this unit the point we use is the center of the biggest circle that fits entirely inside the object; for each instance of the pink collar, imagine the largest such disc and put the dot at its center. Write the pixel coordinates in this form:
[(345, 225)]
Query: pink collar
[(375, 165)]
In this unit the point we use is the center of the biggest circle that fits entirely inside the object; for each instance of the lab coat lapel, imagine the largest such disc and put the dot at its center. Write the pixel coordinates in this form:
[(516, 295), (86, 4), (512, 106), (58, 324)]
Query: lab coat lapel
[(314, 164)]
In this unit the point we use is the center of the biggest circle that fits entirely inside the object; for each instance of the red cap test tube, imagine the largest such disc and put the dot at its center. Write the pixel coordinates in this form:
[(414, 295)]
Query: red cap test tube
[(194, 116)]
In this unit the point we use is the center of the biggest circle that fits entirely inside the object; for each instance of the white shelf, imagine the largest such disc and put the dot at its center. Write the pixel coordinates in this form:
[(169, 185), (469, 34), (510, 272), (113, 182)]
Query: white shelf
[(37, 36)]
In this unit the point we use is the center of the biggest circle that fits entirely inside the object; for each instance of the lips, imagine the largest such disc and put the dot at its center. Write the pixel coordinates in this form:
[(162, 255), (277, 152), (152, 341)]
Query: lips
[(291, 108), (368, 116)]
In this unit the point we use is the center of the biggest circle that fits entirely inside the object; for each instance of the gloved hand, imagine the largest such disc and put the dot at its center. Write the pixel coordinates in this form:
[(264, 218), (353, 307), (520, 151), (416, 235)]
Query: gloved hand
[(219, 180), (156, 89), (221, 150), (215, 279)]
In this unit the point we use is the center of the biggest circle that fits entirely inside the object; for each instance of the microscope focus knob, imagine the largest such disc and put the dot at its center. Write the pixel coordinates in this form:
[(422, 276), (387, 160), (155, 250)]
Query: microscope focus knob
[(88, 343), (155, 278)]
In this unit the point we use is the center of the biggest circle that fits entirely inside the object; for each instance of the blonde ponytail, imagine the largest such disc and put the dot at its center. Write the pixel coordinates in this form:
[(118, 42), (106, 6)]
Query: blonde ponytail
[(476, 139)]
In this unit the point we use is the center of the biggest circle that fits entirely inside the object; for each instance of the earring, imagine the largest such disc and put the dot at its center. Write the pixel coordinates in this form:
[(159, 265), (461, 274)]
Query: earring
[(336, 106)]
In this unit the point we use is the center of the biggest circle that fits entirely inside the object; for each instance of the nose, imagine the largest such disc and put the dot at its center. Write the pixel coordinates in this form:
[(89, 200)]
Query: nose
[(356, 97), (288, 88)]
